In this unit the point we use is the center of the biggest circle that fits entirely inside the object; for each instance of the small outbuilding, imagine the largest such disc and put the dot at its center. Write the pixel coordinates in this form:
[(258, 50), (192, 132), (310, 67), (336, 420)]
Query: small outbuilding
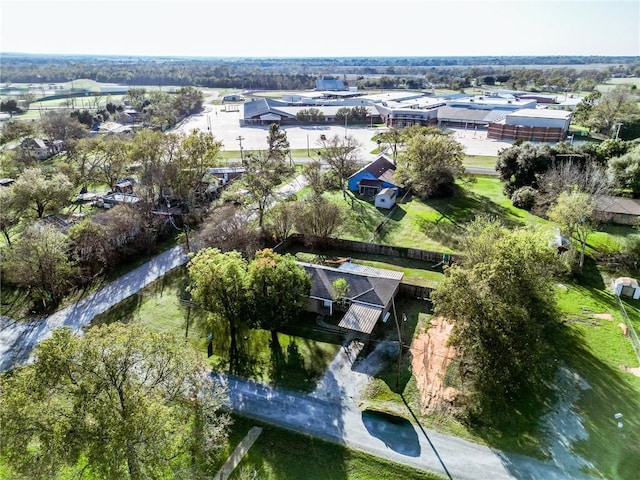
[(386, 198), (626, 287)]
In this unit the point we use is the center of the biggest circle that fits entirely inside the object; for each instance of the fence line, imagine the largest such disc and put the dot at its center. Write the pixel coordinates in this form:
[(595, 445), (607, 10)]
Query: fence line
[(633, 336)]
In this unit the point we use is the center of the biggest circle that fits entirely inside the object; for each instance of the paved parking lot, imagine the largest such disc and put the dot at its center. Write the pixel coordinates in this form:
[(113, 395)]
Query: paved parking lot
[(225, 126)]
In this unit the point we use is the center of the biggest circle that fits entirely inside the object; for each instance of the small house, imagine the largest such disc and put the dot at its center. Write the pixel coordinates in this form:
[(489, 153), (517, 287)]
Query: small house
[(626, 287), (386, 198), (6, 182), (226, 174), (374, 177), (41, 148), (369, 294), (620, 210)]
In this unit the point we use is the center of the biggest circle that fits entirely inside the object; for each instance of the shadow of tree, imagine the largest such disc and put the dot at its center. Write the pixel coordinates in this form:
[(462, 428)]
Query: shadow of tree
[(397, 433)]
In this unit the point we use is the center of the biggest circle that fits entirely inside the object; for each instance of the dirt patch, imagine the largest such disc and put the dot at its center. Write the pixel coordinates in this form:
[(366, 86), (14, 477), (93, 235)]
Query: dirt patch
[(430, 359), (624, 328), (603, 316)]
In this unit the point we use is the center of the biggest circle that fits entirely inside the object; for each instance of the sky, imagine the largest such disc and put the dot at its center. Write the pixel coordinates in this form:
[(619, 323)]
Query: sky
[(329, 28)]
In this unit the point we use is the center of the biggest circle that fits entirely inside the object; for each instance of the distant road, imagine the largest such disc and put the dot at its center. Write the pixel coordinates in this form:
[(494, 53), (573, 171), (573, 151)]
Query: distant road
[(481, 171)]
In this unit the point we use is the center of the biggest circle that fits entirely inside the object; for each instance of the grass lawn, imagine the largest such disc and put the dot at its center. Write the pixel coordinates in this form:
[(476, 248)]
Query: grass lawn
[(415, 271), (593, 348), (305, 357), (435, 224), (280, 454), (479, 161)]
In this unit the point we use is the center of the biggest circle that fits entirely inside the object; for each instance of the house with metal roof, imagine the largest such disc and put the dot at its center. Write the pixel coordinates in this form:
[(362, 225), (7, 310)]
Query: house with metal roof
[(368, 299), (374, 177), (621, 210)]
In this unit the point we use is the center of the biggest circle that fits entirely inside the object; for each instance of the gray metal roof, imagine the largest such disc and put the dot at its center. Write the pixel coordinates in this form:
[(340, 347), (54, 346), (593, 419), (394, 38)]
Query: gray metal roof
[(379, 272), (462, 114), (360, 318)]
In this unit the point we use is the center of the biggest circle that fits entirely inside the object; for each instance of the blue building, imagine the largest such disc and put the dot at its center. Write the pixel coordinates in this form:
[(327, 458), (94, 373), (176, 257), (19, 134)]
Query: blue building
[(374, 177)]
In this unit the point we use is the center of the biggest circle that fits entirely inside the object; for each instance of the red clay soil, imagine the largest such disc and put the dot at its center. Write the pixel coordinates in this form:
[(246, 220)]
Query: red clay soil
[(430, 358)]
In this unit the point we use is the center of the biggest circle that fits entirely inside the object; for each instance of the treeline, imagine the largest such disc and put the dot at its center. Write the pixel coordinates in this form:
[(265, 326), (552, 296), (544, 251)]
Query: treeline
[(297, 73)]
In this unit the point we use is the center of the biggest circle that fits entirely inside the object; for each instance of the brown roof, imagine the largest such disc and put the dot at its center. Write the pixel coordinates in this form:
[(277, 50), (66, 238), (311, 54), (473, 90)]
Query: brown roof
[(609, 204)]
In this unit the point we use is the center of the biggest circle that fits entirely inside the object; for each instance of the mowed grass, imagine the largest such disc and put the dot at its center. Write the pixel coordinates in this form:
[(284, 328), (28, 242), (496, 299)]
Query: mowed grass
[(298, 365), (599, 352), (487, 161), (280, 454), (416, 272), (435, 224)]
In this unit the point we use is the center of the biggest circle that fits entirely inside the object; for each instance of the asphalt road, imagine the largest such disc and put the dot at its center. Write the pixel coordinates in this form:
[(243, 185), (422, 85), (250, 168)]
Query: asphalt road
[(340, 421), (18, 339)]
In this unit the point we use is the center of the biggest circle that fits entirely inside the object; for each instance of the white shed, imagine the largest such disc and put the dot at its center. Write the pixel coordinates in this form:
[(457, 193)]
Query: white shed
[(628, 287), (386, 198)]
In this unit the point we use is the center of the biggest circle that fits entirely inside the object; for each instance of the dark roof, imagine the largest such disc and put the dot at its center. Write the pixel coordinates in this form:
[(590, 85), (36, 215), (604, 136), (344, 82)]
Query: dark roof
[(363, 287), (381, 168), (609, 204), (261, 106), (223, 170)]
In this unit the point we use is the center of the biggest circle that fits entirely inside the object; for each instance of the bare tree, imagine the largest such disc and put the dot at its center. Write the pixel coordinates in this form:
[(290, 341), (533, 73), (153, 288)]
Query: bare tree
[(341, 154), (227, 228), (570, 176)]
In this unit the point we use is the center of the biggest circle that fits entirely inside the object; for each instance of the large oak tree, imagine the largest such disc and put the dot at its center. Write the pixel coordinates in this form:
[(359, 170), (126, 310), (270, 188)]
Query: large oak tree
[(121, 401)]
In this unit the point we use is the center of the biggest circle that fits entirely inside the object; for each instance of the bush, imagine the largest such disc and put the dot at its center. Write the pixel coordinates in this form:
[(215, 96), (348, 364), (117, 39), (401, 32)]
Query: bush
[(524, 198)]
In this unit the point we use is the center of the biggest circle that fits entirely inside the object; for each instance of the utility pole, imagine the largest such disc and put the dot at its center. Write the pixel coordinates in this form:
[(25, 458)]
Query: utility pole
[(240, 138)]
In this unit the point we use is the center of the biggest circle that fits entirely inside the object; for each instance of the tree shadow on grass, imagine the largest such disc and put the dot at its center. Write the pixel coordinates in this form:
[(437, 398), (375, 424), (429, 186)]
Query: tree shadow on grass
[(124, 311), (453, 213), (580, 434)]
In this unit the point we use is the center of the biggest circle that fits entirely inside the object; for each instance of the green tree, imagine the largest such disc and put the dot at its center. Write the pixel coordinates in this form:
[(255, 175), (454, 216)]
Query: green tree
[(341, 154), (15, 130), (584, 109), (220, 285), (277, 143), (125, 401), (279, 289), (188, 100), (35, 192), (503, 308), (9, 216), (39, 263), (613, 107), (431, 164), (393, 139), (624, 171), (520, 165), (573, 212), (184, 171)]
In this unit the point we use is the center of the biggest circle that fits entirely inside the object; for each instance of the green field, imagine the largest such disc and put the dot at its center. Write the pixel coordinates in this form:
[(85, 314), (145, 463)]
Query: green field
[(306, 353)]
